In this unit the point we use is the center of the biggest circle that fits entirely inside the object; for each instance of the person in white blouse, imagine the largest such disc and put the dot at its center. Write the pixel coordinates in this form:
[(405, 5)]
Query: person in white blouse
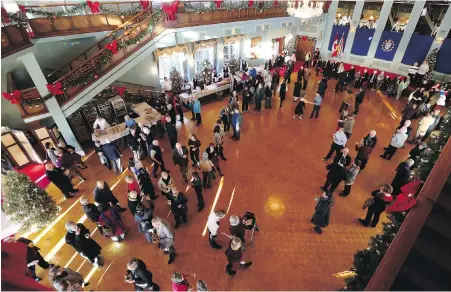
[(101, 123), (167, 84)]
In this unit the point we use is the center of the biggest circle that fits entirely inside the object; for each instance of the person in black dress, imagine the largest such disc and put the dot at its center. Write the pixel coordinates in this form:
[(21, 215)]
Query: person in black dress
[(144, 181), (297, 90), (194, 145), (213, 156), (282, 91), (60, 180), (79, 237), (196, 183), (299, 110)]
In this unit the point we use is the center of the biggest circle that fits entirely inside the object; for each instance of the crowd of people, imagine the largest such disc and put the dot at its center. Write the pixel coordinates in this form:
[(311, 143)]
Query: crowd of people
[(202, 160)]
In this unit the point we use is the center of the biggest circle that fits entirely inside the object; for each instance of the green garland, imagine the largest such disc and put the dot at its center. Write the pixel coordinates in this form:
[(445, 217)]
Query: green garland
[(36, 102), (366, 261), (232, 6)]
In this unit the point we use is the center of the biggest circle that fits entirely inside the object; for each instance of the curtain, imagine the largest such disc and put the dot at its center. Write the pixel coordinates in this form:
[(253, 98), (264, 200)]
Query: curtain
[(167, 62), (417, 49), (202, 55), (443, 64)]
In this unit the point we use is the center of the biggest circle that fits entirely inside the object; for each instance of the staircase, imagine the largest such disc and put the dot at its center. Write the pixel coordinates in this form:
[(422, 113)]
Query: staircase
[(428, 265), (97, 67)]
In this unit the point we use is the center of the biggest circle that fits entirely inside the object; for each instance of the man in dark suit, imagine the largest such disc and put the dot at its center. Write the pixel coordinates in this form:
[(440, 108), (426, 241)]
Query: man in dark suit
[(180, 158), (172, 132), (402, 176), (359, 99), (60, 180), (113, 154), (104, 196)]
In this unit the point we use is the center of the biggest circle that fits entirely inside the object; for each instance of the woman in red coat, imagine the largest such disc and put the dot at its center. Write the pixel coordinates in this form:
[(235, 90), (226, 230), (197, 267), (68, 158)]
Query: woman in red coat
[(405, 201)]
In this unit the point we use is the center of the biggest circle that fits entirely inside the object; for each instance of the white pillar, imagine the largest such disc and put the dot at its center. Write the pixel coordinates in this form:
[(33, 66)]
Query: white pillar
[(408, 32), (442, 31), (40, 82), (327, 32), (356, 16), (385, 13)]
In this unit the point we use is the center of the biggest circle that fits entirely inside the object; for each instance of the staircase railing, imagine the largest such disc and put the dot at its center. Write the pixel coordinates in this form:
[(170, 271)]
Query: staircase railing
[(396, 254)]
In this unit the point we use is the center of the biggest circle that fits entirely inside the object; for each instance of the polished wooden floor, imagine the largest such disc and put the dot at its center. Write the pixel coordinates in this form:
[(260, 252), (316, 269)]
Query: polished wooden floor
[(275, 171)]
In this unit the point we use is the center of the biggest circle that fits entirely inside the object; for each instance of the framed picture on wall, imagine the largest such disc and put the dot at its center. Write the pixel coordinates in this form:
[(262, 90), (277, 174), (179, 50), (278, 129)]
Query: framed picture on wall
[(256, 44)]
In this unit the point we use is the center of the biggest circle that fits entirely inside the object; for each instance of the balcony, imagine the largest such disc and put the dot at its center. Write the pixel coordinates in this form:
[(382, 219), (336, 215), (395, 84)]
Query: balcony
[(89, 67), (14, 39), (419, 258)]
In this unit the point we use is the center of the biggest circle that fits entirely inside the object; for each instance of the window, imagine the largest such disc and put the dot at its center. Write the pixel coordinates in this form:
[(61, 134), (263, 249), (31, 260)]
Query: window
[(231, 51), (166, 63), (201, 55)]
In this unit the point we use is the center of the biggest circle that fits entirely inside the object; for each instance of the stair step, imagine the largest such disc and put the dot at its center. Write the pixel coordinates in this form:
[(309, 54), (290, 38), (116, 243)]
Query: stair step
[(403, 282), (439, 224), (434, 249), (425, 273)]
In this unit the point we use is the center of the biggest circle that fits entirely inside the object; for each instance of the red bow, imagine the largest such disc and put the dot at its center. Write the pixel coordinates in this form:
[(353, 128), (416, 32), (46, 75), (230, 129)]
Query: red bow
[(120, 90), (5, 17), (171, 9), (94, 6), (55, 88), (218, 3), (23, 9), (112, 47), (276, 3), (14, 97), (144, 4), (251, 3)]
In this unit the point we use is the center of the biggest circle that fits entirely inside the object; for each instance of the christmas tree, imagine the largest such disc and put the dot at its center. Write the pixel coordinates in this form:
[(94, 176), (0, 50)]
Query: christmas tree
[(366, 261), (177, 81), (25, 203), (234, 66), (431, 59), (207, 70)]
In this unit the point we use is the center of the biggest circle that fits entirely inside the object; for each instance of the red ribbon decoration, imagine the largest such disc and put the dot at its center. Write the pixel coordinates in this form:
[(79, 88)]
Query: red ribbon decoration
[(144, 4), (55, 88), (171, 9), (276, 3), (13, 98), (120, 90), (94, 6), (218, 3), (251, 3), (22, 8), (112, 47), (5, 17)]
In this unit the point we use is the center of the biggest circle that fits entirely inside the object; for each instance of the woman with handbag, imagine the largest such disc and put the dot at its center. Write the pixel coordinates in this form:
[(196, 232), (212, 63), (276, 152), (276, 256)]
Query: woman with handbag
[(213, 156), (376, 205), (143, 217), (207, 169), (351, 175), (111, 223), (194, 145)]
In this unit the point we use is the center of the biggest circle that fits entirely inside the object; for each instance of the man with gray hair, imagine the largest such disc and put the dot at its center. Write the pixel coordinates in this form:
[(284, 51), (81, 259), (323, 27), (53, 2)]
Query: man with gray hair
[(237, 228), (113, 154), (371, 136), (403, 174), (164, 237)]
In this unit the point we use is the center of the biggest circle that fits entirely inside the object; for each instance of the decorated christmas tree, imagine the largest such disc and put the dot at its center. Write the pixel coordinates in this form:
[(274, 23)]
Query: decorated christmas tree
[(366, 261), (234, 66), (431, 59), (207, 70), (177, 81), (25, 203)]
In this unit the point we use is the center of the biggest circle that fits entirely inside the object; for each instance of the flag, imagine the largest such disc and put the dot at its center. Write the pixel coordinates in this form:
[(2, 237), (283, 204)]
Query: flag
[(335, 47), (341, 46), (388, 45)]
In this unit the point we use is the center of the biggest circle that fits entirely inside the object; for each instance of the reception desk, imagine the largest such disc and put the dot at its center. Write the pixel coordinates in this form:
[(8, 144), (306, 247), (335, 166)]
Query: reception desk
[(209, 89), (147, 116)]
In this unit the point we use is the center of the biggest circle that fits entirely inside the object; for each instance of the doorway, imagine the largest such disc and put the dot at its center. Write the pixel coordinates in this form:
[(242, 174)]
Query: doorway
[(304, 44)]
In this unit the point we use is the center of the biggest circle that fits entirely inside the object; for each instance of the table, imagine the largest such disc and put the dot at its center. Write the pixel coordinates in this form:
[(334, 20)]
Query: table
[(147, 116), (210, 89)]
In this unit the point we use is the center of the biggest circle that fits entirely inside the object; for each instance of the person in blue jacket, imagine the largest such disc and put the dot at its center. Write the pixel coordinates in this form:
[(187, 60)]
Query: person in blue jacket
[(237, 120), (196, 111)]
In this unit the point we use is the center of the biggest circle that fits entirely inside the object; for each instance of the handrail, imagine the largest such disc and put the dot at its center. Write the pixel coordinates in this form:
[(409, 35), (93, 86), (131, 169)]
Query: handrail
[(72, 4), (111, 34), (394, 258)]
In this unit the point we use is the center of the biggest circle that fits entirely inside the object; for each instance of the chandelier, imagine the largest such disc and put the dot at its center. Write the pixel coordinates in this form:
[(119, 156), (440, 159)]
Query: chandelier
[(305, 9)]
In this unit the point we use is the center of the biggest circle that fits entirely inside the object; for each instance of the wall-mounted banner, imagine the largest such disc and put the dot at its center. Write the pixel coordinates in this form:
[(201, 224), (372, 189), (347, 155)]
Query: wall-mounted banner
[(342, 31), (362, 41), (418, 49), (443, 64), (256, 47), (388, 45)]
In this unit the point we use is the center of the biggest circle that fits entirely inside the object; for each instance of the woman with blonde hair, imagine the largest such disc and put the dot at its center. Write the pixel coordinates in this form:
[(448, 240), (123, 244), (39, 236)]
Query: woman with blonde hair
[(207, 168)]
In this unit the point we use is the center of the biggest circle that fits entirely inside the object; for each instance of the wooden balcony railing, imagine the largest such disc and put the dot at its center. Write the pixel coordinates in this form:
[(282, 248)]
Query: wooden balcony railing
[(394, 258), (84, 22), (97, 60), (14, 39), (29, 111)]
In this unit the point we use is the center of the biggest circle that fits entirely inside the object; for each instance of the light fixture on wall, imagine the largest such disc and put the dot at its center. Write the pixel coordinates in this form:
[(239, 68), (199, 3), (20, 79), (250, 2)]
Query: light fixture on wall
[(305, 9)]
